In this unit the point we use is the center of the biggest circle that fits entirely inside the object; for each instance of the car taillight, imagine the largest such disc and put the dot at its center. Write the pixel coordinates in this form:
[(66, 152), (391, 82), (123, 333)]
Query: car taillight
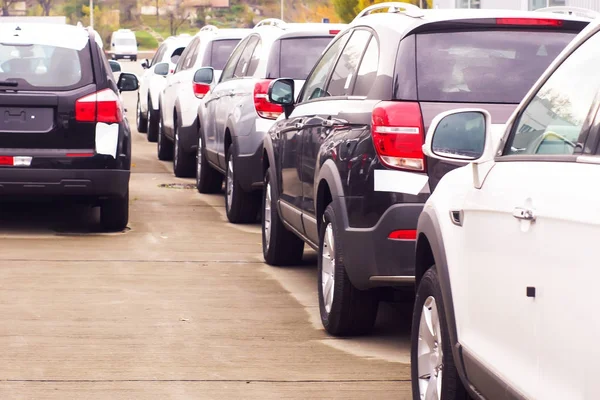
[(264, 108), (529, 21), (334, 31), (102, 106), (397, 130), (200, 89), (403, 234)]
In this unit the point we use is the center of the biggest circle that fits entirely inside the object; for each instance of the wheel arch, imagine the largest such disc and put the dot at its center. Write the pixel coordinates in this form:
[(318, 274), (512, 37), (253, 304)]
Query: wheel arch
[(330, 190)]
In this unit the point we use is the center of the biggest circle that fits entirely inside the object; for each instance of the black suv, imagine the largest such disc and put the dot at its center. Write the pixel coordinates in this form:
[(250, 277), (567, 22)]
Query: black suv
[(63, 131), (345, 171)]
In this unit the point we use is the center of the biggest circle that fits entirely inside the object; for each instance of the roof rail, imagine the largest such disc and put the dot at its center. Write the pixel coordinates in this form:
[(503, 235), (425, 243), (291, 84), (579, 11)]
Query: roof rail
[(271, 22), (211, 28), (579, 12), (393, 7)]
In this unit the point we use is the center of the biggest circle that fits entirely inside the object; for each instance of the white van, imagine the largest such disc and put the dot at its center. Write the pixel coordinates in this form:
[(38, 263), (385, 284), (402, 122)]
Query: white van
[(123, 44)]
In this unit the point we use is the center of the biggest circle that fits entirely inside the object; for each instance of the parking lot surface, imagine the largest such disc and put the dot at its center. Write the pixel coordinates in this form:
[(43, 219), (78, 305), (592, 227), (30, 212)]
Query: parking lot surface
[(179, 306)]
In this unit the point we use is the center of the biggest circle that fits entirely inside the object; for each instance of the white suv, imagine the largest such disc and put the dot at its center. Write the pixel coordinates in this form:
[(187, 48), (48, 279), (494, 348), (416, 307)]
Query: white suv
[(505, 271)]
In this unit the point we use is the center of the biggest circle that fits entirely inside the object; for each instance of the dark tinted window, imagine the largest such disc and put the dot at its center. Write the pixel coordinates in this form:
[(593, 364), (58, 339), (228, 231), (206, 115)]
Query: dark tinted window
[(220, 52), (242, 66), (299, 55), (176, 54), (484, 66), (368, 70), (45, 66), (346, 66)]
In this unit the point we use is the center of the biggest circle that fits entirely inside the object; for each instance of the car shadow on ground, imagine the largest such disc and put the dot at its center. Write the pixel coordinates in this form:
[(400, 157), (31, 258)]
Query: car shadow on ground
[(48, 217)]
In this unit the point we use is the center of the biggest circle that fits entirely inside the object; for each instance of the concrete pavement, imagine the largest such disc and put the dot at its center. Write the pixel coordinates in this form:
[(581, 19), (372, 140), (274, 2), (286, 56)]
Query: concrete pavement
[(180, 306)]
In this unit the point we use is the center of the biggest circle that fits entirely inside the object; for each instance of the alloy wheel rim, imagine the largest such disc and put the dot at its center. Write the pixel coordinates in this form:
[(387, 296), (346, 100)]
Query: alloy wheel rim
[(198, 161), (148, 120), (159, 134), (430, 352), (138, 114), (267, 217), (176, 158), (229, 182), (328, 267)]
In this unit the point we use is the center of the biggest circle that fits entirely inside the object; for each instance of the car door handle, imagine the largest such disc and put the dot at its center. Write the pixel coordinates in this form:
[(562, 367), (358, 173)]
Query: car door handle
[(524, 214), (232, 92), (298, 125), (329, 122)]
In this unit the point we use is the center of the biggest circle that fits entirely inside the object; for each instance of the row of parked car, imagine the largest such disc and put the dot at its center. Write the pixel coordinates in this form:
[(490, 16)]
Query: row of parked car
[(350, 138)]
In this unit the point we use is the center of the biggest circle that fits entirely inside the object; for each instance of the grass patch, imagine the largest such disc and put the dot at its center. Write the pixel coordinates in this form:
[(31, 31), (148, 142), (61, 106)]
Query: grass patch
[(146, 41)]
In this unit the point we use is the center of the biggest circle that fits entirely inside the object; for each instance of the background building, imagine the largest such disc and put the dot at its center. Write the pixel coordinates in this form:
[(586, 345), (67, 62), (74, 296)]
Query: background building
[(516, 4)]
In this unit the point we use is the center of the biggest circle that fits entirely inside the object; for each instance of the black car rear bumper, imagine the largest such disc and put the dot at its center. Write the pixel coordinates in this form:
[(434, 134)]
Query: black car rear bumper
[(374, 260), (63, 182)]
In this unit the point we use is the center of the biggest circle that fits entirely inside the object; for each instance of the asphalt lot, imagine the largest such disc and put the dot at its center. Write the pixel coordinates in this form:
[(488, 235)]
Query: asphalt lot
[(180, 306)]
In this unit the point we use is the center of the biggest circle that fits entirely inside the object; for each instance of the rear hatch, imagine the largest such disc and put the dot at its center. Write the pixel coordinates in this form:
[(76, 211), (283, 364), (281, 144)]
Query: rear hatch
[(39, 86), (491, 64)]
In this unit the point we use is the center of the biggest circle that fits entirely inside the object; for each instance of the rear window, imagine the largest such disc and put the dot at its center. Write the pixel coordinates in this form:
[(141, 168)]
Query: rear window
[(299, 55), (36, 66), (220, 52), (484, 66), (177, 54), (125, 41)]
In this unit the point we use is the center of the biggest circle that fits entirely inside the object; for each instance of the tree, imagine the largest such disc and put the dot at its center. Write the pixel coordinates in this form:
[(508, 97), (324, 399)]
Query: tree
[(362, 4), (345, 9), (6, 6), (46, 5)]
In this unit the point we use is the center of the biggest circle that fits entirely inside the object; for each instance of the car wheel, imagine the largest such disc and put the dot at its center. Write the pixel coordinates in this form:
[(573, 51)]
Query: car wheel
[(240, 206), (183, 163), (164, 147), (140, 119), (208, 180), (345, 310), (280, 245), (153, 122), (433, 371), (114, 213)]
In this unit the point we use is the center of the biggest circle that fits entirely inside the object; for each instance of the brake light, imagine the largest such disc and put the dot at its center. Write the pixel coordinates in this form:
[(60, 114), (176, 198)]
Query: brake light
[(397, 130), (6, 160), (171, 71), (334, 31), (102, 106), (529, 21), (90, 154), (264, 108), (200, 89), (403, 234)]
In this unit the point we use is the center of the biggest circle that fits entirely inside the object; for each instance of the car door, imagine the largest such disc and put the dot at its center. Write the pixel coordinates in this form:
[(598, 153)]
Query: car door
[(148, 73), (291, 136), (211, 105), (529, 234), (333, 117)]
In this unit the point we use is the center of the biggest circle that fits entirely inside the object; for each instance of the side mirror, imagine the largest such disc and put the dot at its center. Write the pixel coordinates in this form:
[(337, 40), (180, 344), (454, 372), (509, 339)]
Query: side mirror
[(144, 65), (281, 91), (112, 44), (161, 69), (462, 135), (115, 66), (128, 82), (137, 44), (203, 78)]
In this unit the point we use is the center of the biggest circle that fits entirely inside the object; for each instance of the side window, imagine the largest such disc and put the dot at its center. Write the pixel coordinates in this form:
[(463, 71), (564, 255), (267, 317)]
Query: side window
[(367, 72), (158, 56), (552, 122), (346, 66), (232, 62), (255, 59), (315, 84), (184, 56), (242, 66), (191, 59)]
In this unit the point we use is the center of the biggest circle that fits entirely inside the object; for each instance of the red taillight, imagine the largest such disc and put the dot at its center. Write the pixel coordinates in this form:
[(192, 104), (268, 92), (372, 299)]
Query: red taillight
[(334, 31), (6, 160), (200, 89), (102, 106), (397, 129), (529, 21), (264, 108), (403, 234), (80, 154)]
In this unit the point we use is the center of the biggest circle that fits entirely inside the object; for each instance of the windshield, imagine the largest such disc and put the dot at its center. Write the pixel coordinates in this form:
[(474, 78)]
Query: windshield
[(125, 42), (45, 66), (299, 55), (220, 52), (484, 67)]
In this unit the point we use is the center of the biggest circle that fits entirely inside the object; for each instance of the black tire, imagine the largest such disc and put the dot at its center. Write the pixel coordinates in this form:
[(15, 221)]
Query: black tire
[(164, 147), (140, 119), (352, 312), (183, 162), (452, 387), (153, 122), (134, 59), (283, 246), (241, 207), (208, 180), (114, 213)]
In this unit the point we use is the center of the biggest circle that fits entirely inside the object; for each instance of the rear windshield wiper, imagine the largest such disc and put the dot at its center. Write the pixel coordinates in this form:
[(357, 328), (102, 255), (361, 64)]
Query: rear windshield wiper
[(9, 83)]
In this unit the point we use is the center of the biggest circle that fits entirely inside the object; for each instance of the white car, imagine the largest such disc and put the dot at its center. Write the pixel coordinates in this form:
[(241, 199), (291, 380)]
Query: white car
[(179, 101), (123, 44), (153, 81), (505, 258)]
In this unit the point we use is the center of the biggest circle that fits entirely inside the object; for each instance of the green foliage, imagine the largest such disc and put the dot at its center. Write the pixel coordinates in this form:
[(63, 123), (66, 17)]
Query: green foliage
[(345, 9), (146, 41)]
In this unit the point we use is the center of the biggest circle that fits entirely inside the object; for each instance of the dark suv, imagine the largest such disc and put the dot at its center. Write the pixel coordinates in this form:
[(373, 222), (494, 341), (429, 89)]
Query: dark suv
[(63, 131), (345, 171)]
